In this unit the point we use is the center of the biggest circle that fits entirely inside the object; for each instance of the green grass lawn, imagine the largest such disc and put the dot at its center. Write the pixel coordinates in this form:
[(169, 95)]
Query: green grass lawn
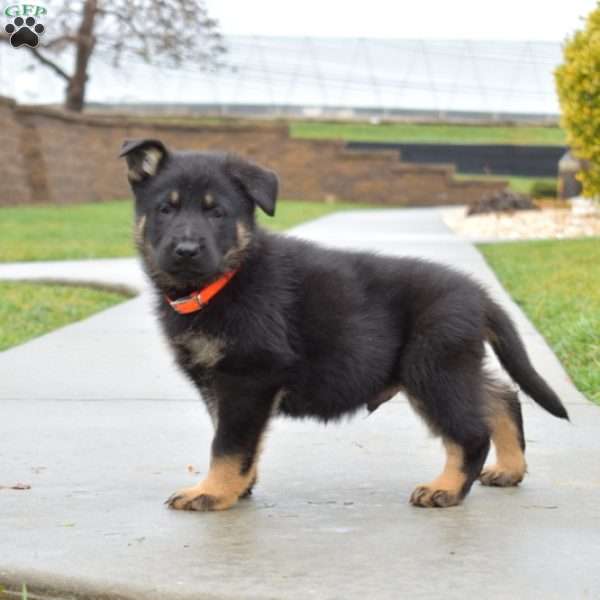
[(557, 283), (428, 133), (56, 232), (103, 230), (28, 310)]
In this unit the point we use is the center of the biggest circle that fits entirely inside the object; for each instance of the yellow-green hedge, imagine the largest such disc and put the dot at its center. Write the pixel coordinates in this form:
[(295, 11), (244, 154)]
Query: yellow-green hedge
[(578, 86)]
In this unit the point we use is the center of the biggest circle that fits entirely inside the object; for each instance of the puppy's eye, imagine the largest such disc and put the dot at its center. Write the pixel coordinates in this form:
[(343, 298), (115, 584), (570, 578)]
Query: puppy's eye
[(165, 209), (217, 212)]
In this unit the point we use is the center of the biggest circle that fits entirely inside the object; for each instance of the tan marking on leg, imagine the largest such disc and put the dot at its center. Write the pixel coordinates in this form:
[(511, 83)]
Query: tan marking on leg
[(510, 464), (253, 471), (220, 490), (261, 444), (225, 484), (444, 490)]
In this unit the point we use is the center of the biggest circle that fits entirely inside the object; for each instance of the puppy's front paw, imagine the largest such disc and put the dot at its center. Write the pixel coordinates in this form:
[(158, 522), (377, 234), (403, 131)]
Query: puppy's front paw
[(429, 496), (201, 498), (224, 484)]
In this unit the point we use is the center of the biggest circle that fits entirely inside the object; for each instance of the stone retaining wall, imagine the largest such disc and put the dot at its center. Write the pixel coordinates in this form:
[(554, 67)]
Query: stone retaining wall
[(47, 155)]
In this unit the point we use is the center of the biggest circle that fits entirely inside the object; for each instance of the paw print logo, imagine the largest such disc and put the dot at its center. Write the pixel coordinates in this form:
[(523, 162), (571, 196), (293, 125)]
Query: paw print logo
[(24, 32)]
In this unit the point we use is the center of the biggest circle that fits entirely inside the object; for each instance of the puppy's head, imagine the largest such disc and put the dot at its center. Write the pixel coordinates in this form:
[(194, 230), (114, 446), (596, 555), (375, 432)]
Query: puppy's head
[(194, 210)]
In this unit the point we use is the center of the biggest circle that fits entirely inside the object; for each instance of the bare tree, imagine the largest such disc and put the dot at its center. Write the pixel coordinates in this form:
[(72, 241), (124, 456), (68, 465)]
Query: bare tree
[(165, 32)]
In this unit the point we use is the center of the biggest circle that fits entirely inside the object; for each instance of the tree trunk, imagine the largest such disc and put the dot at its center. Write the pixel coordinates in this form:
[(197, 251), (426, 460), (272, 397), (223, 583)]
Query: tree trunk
[(85, 45)]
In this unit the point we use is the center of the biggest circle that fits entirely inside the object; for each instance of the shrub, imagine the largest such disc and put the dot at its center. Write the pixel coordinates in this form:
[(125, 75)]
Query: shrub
[(578, 86), (505, 201), (544, 189)]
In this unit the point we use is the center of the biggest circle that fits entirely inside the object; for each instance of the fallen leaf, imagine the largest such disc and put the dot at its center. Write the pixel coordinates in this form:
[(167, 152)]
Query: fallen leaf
[(17, 486)]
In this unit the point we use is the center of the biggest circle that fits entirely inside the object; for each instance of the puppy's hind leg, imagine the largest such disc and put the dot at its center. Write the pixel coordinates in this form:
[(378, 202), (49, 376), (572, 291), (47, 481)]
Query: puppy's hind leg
[(463, 464), (506, 424)]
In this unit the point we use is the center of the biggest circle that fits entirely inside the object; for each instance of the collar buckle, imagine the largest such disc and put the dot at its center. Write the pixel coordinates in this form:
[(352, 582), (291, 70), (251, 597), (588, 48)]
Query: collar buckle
[(198, 300), (188, 304)]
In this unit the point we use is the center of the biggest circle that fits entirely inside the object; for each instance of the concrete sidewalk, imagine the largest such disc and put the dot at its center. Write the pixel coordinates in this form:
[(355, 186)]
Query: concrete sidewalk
[(99, 423)]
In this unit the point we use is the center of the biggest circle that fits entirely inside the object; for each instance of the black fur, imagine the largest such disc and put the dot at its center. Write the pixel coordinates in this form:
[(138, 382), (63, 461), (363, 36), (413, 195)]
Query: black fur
[(326, 332), (512, 354)]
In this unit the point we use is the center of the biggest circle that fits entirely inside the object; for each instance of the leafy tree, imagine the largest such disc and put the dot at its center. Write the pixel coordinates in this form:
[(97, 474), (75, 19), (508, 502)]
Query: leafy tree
[(578, 85), (166, 32)]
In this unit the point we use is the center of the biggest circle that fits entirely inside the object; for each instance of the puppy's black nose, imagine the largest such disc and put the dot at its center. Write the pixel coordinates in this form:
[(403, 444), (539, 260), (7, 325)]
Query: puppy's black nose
[(187, 249)]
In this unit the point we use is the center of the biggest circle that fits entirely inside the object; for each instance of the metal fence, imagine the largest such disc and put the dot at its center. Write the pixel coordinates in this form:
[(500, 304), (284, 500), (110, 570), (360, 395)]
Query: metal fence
[(323, 76)]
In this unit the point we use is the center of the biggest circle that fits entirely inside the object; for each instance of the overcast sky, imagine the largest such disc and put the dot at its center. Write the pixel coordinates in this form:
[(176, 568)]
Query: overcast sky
[(449, 19)]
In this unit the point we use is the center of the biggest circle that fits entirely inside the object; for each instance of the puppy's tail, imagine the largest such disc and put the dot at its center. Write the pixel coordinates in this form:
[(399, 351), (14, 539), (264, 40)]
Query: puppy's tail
[(511, 352)]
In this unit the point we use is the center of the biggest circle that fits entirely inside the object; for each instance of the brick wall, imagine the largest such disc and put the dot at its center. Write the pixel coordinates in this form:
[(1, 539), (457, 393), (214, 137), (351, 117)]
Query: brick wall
[(49, 156), (14, 183)]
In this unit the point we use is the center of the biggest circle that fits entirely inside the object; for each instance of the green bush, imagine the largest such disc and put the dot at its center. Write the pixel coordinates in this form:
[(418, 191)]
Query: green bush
[(578, 86), (544, 189)]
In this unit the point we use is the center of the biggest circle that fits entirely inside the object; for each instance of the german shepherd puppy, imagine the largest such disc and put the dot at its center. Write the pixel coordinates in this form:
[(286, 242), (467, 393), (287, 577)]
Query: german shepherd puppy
[(265, 324)]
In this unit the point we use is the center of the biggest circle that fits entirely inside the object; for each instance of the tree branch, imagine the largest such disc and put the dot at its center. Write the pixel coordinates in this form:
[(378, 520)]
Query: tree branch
[(50, 64), (60, 41), (113, 13)]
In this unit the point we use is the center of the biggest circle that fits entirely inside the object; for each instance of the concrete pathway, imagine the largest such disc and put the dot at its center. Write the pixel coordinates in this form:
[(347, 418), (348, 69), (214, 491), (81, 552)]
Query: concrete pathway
[(96, 419)]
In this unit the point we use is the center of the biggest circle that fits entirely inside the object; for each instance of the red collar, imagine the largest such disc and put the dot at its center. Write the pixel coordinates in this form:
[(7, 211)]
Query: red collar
[(198, 300)]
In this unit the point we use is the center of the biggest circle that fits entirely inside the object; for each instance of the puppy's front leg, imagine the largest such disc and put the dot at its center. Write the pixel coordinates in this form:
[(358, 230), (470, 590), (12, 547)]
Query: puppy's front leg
[(242, 420)]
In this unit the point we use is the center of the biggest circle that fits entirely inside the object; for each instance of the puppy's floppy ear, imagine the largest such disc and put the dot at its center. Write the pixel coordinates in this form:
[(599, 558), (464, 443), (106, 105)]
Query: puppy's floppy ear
[(258, 184), (144, 158)]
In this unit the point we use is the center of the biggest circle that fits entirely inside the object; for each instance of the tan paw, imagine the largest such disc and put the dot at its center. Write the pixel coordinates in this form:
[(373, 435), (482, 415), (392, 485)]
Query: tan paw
[(247, 493), (501, 477), (200, 498), (432, 497)]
